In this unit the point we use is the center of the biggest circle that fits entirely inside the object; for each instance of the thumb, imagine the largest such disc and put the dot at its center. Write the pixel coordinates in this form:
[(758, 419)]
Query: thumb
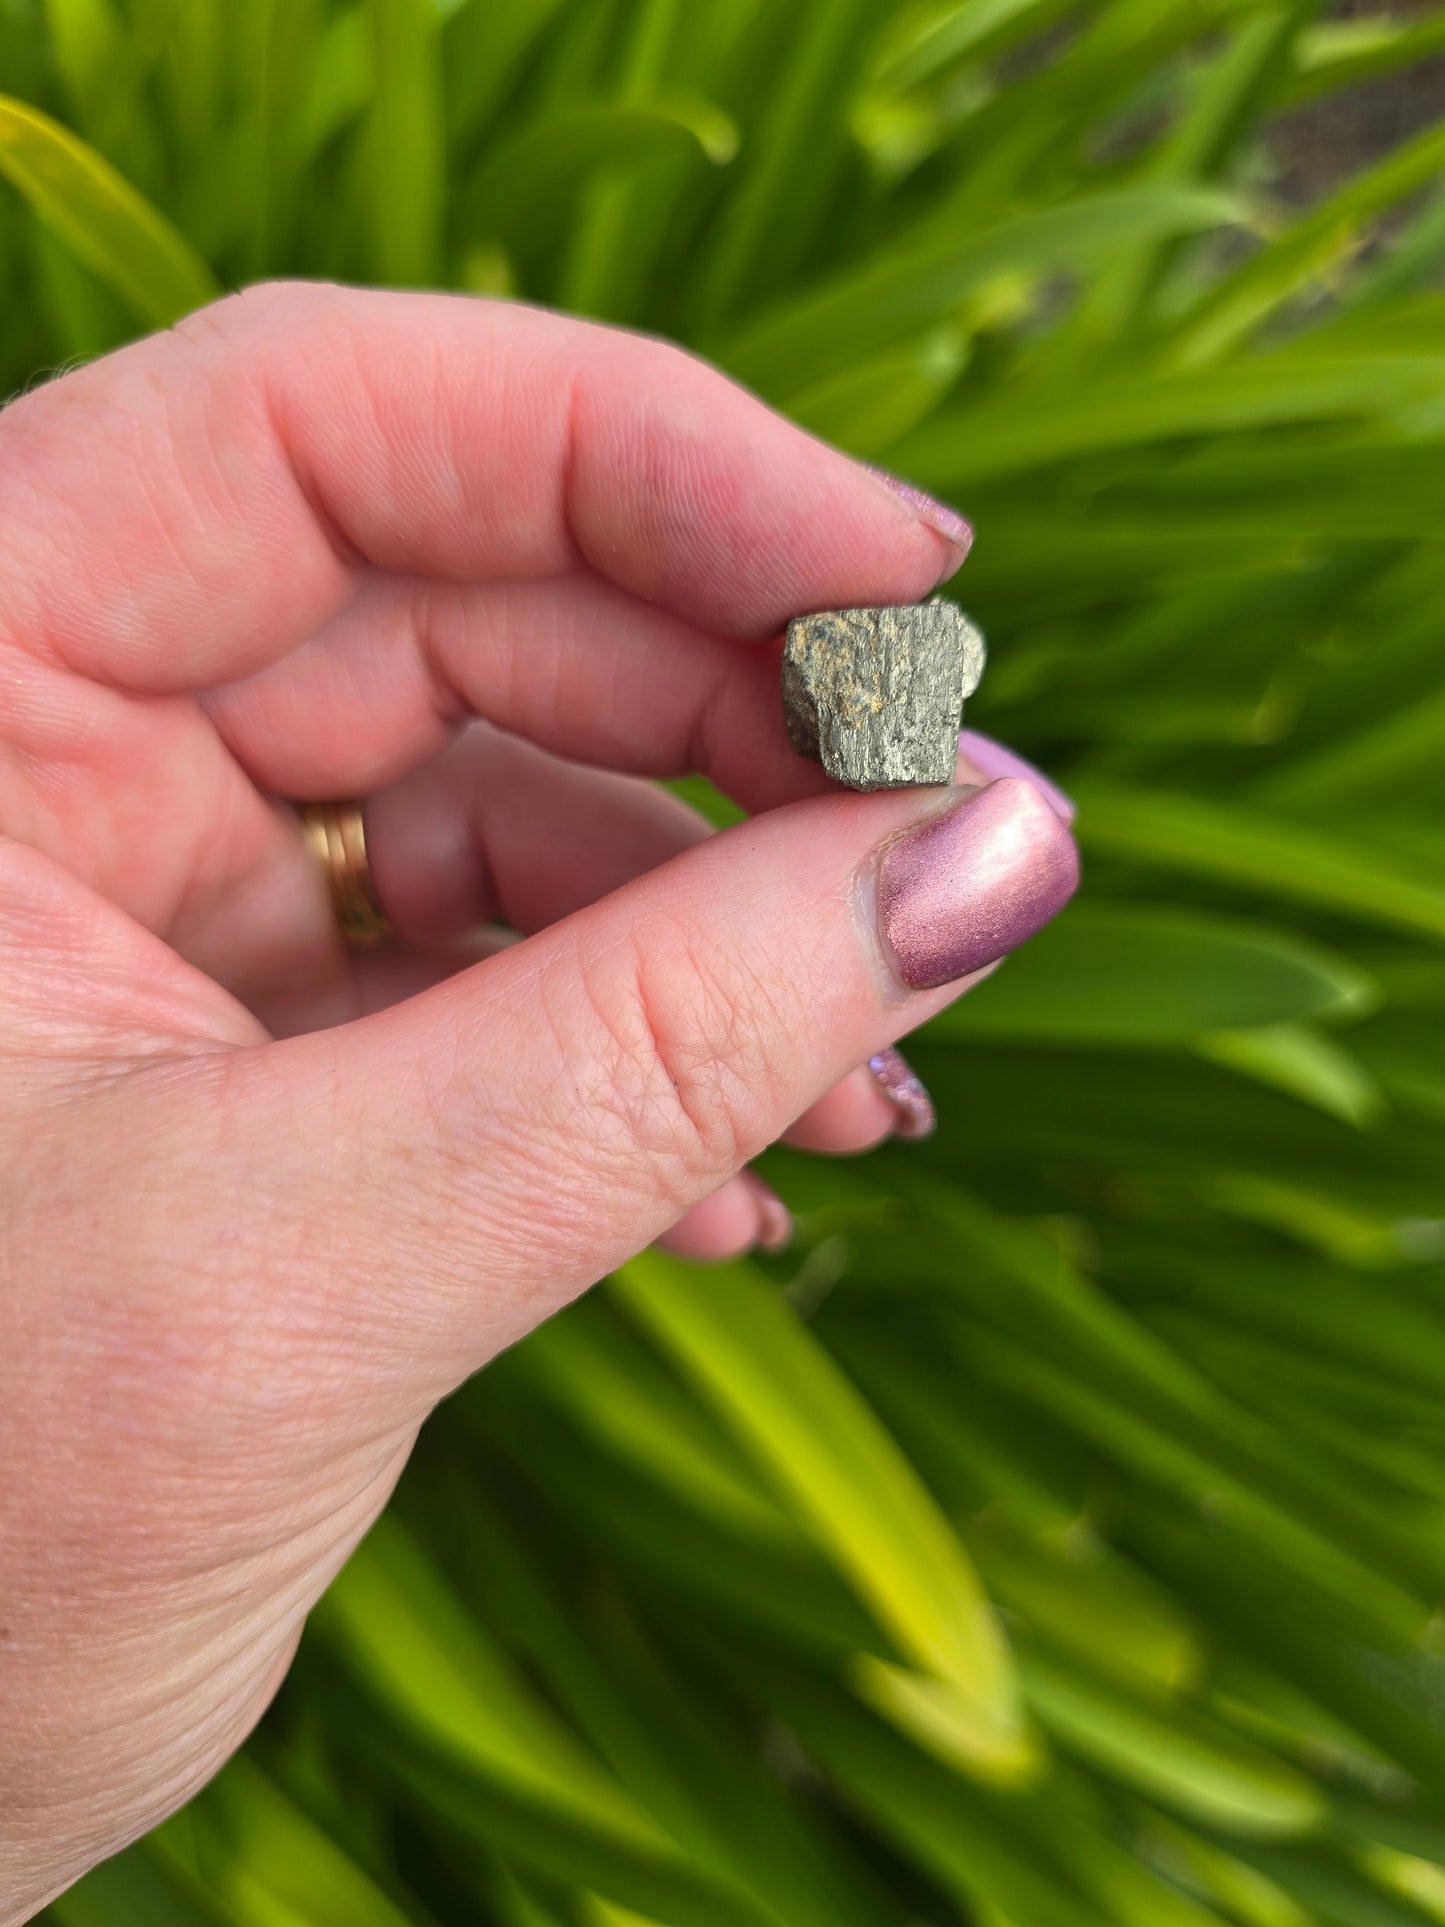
[(501, 1141)]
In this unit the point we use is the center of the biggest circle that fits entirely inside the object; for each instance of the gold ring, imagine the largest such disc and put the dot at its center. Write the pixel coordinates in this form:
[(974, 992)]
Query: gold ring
[(336, 837)]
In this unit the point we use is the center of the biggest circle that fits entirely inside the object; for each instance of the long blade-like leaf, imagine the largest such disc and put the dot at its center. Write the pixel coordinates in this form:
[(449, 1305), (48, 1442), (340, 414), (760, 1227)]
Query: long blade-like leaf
[(112, 228), (831, 1458)]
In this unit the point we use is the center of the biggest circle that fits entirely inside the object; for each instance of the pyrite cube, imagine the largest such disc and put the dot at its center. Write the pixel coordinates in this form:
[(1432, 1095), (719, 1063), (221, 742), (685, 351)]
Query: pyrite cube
[(876, 695)]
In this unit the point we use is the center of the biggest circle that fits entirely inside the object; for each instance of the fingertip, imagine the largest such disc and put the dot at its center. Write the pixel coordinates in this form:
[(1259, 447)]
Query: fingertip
[(743, 1215), (982, 760), (855, 1116), (905, 1092), (954, 530), (775, 1220), (690, 491), (884, 1098)]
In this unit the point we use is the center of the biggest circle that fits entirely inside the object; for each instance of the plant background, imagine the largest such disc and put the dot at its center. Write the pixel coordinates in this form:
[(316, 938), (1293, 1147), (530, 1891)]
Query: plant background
[(681, 1615)]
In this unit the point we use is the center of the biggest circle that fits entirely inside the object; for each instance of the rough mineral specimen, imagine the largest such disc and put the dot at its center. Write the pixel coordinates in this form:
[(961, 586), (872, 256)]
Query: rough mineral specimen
[(876, 695)]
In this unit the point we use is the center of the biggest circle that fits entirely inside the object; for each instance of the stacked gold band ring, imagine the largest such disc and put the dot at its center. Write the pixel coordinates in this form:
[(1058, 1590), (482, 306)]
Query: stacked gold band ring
[(337, 839)]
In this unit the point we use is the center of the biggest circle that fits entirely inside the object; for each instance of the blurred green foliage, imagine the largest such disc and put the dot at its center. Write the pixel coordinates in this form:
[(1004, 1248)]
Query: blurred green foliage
[(683, 1614)]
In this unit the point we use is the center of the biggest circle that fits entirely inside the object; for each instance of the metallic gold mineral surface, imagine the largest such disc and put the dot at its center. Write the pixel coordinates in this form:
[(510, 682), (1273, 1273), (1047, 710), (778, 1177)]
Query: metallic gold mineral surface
[(876, 695)]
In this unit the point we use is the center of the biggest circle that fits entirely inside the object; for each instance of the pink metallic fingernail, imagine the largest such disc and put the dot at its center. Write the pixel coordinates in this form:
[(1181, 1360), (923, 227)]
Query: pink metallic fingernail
[(905, 1091), (981, 759), (965, 888), (776, 1232), (938, 516)]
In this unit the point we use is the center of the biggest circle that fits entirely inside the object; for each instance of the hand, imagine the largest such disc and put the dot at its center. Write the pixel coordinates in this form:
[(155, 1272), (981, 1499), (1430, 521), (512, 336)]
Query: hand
[(265, 1201)]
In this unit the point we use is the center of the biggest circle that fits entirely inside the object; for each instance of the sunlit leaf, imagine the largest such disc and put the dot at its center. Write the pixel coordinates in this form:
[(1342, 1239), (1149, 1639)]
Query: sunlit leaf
[(1303, 1061), (834, 1462), (1171, 1754), (113, 230)]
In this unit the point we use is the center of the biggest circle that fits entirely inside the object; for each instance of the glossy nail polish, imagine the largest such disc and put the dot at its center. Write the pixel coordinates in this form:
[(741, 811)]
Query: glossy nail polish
[(905, 1091), (982, 760), (936, 515), (966, 887)]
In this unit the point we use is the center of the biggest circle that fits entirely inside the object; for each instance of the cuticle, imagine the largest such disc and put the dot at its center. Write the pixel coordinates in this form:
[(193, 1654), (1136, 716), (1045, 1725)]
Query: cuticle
[(868, 917), (941, 801)]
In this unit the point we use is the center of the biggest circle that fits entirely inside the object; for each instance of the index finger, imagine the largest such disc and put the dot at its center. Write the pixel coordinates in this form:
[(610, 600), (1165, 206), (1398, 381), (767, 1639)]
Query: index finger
[(189, 510)]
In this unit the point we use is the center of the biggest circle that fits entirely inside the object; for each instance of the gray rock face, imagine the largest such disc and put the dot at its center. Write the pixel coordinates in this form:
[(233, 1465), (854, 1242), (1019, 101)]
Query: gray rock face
[(876, 695)]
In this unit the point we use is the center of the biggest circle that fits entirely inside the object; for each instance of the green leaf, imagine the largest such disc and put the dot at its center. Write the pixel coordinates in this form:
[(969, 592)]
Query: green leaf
[(1013, 433), (666, 1744), (87, 39), (406, 145), (1343, 51), (267, 1862), (1325, 236), (1135, 974), (791, 159), (489, 1754), (608, 1384), (342, 79), (974, 1847), (1408, 1875), (117, 234), (621, 219), (1335, 1892), (601, 1913), (1170, 1753), (92, 320), (1406, 262), (835, 1464), (1190, 1465), (561, 155), (137, 1885), (193, 65), (1166, 1407), (517, 1906), (484, 44), (1242, 1892), (437, 1672), (1082, 1597), (868, 408), (1259, 853), (1349, 1232), (280, 41), (1221, 112), (923, 39), (1298, 1059), (1373, 760), (911, 287)]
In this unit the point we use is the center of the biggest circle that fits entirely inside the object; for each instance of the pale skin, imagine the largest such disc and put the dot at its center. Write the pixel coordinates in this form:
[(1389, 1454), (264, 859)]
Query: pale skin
[(264, 1201)]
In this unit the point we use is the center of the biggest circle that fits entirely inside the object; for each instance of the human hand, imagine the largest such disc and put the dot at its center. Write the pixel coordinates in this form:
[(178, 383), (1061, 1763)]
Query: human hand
[(266, 1200)]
